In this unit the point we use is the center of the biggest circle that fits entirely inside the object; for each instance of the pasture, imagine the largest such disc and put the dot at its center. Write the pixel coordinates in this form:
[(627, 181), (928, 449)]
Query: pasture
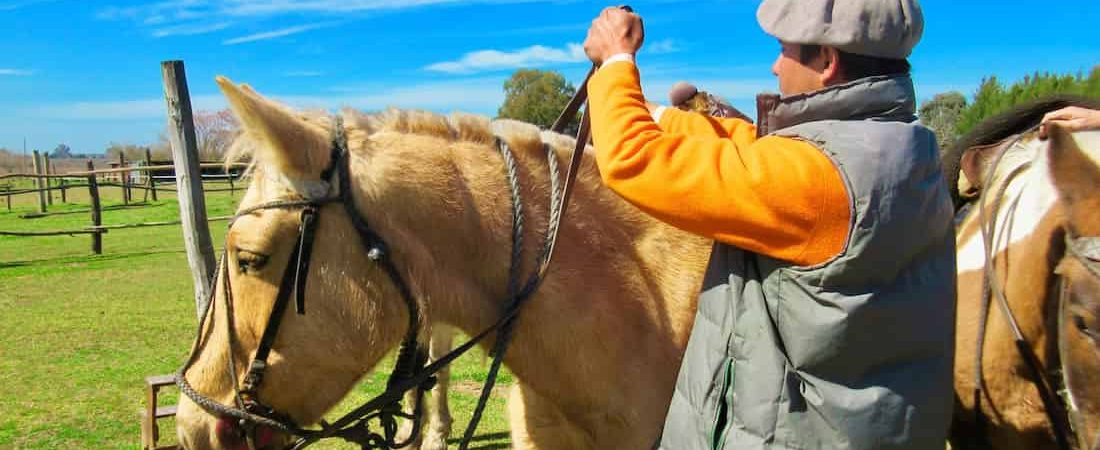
[(78, 333)]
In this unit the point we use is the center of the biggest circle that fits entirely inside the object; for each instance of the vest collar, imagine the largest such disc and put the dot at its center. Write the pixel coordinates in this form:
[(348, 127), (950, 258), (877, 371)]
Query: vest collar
[(883, 98)]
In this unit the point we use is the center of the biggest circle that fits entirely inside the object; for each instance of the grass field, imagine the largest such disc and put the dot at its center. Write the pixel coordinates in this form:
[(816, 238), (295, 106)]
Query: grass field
[(78, 332)]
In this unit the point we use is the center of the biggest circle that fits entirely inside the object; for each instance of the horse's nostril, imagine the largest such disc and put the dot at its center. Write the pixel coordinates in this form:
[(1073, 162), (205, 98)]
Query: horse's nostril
[(229, 433)]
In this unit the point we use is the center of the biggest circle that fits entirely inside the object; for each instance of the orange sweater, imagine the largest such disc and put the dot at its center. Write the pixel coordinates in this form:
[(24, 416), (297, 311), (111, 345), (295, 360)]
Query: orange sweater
[(775, 196)]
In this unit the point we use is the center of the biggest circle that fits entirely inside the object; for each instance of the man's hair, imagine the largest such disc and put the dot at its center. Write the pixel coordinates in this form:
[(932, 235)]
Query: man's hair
[(856, 66)]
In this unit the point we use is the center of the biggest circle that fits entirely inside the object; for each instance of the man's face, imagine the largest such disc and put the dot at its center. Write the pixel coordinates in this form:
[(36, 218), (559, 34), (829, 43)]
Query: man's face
[(796, 77)]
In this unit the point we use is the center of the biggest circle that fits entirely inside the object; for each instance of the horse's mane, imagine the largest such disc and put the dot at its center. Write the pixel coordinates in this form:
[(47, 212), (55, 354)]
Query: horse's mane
[(455, 127), (999, 127), (463, 127)]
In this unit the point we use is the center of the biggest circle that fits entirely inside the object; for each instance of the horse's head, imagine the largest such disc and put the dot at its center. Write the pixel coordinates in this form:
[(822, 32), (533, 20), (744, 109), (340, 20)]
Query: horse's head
[(352, 316), (1075, 170)]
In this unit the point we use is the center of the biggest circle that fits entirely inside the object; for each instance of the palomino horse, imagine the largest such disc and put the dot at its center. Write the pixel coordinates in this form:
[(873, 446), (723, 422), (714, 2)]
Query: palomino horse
[(1038, 217), (596, 350)]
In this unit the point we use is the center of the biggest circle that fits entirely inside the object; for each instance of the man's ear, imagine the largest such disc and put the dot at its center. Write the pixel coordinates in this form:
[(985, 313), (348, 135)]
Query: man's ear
[(831, 72)]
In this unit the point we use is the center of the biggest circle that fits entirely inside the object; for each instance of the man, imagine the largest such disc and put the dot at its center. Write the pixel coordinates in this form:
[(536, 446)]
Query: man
[(827, 315)]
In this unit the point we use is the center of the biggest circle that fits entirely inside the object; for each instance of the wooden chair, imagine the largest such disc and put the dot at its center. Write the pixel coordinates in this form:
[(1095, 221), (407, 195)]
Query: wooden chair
[(150, 432)]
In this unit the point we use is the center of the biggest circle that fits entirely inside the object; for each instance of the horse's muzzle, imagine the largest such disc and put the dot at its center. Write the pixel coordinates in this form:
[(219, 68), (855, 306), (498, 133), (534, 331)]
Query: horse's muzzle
[(234, 437)]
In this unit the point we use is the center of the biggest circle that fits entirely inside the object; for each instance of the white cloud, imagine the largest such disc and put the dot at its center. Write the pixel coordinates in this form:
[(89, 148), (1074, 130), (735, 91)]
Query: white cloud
[(477, 95), (190, 29), (194, 13), (533, 56), (16, 72), (120, 110), (303, 73), (11, 6), (661, 47), (273, 7), (275, 33)]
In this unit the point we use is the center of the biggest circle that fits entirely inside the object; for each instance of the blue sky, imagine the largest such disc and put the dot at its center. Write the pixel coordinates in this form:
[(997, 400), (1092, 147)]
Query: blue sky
[(87, 73)]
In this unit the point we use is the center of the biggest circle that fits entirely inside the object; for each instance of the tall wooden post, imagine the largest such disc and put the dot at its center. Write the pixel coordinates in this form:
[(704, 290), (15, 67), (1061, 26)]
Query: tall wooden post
[(97, 214), (149, 175), (47, 170), (185, 156), (39, 181), (64, 187)]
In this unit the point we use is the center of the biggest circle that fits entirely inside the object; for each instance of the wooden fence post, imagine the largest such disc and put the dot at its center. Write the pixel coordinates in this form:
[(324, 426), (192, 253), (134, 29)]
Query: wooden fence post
[(149, 175), (97, 214), (64, 186), (122, 179), (39, 181), (185, 156), (47, 170), (229, 175)]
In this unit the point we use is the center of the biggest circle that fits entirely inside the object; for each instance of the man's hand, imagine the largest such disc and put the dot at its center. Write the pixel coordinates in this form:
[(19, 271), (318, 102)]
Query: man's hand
[(1071, 118), (615, 31)]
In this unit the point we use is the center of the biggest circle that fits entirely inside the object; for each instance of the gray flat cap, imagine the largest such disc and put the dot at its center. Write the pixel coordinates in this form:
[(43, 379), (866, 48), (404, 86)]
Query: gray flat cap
[(881, 28)]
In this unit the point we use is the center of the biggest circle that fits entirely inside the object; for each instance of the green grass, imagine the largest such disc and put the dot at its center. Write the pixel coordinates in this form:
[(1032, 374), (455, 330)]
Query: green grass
[(79, 332)]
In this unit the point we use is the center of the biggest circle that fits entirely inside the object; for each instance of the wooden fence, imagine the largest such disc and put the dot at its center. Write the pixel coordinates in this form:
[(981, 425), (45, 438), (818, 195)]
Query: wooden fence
[(150, 175)]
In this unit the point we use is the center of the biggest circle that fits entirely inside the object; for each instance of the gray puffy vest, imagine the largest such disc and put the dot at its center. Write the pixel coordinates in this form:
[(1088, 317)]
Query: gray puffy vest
[(855, 353)]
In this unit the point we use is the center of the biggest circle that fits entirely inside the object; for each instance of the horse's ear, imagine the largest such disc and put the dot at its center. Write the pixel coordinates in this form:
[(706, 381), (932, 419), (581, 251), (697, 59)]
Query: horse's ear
[(1076, 177), (975, 162), (284, 140)]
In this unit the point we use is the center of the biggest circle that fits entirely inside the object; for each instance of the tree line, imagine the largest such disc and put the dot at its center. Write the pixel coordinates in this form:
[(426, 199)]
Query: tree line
[(950, 115)]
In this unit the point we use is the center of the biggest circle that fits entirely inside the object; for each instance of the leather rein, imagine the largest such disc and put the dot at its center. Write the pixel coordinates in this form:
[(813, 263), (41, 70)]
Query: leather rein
[(1085, 250), (411, 371)]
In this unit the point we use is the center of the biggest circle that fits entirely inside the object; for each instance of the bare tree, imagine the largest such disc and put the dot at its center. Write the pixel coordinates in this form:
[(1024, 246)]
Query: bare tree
[(214, 132)]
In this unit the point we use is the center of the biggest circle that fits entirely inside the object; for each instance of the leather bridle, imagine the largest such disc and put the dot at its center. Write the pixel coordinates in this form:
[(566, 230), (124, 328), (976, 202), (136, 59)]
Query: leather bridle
[(1086, 250), (411, 370), (249, 410)]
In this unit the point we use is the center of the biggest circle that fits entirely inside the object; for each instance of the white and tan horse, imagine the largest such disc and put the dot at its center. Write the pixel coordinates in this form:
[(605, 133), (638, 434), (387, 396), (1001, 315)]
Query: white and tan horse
[(596, 351), (1033, 193)]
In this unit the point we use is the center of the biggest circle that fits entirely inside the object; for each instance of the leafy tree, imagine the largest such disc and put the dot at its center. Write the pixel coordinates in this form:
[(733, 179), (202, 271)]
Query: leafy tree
[(61, 151), (993, 97), (941, 115), (537, 96)]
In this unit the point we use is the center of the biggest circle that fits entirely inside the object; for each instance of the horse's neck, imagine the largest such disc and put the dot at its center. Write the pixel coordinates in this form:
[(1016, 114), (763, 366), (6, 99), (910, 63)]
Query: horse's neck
[(455, 235)]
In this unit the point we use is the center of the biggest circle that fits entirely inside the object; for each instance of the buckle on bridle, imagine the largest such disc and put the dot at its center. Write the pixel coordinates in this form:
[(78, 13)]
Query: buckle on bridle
[(254, 377)]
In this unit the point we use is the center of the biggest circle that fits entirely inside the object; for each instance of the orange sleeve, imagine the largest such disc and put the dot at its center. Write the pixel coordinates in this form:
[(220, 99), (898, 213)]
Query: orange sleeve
[(774, 196), (674, 120)]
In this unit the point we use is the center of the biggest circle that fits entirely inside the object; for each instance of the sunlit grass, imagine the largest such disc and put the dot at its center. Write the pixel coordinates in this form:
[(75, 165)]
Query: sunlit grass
[(79, 332)]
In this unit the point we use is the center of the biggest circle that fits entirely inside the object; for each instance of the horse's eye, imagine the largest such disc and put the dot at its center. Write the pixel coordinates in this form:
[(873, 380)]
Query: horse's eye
[(1080, 323), (250, 261)]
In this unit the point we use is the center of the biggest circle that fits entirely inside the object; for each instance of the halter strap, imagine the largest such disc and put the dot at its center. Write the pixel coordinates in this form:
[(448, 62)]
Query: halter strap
[(992, 290)]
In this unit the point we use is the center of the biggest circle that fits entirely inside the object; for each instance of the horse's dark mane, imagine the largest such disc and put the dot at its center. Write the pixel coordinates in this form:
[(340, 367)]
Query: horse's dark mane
[(995, 129)]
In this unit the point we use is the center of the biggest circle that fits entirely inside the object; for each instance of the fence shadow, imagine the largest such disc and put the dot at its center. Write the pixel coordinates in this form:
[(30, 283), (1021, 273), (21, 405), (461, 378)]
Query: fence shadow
[(485, 437), (71, 259)]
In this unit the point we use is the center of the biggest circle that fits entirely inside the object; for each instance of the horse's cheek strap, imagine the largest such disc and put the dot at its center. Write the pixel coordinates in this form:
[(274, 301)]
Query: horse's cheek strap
[(305, 251)]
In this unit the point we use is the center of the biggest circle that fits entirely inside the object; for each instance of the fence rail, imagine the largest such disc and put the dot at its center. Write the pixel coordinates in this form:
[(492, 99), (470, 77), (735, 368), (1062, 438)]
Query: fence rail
[(50, 233), (93, 180), (118, 170)]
